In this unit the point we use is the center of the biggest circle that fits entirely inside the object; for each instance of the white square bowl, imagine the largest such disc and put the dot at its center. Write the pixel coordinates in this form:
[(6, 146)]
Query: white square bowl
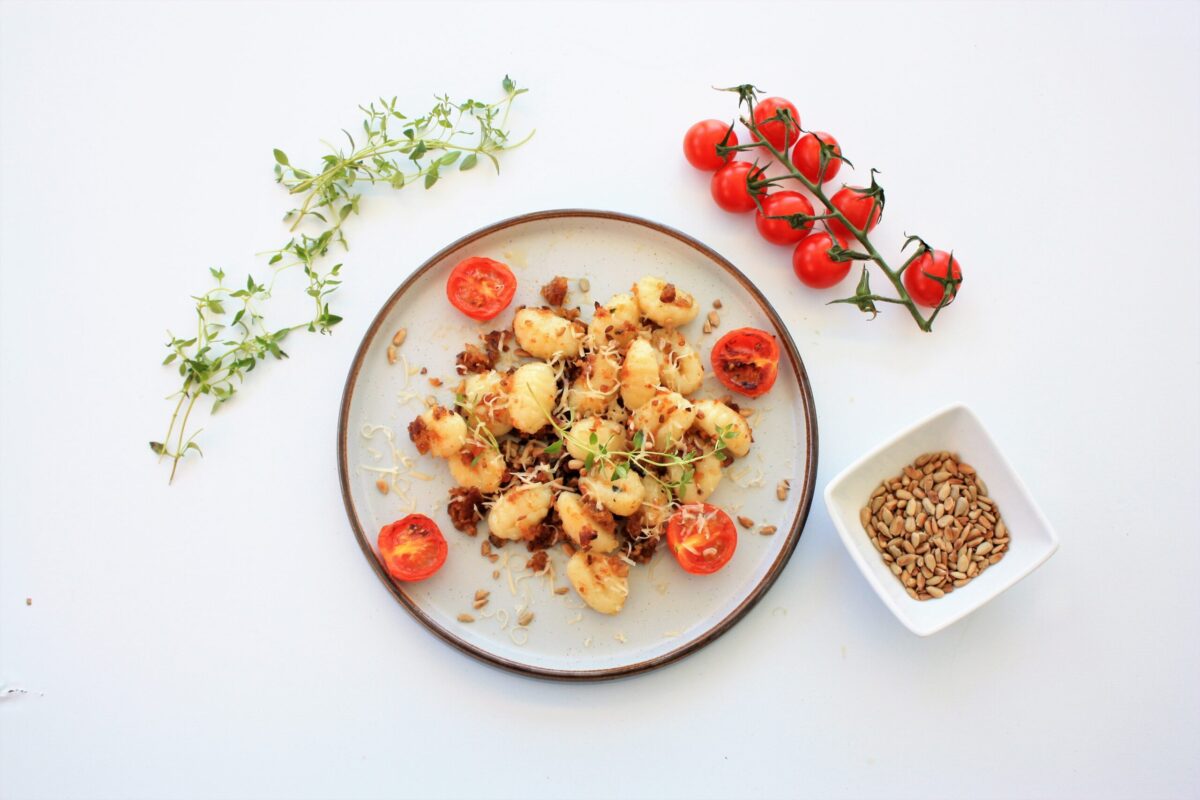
[(957, 430)]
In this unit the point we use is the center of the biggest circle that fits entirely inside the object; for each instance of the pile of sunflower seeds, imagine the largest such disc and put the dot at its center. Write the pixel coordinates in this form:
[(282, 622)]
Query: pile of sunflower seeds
[(935, 526)]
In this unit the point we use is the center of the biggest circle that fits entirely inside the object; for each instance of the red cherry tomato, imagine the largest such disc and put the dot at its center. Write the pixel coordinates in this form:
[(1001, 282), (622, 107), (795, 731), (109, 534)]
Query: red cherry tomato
[(807, 157), (481, 288), (780, 136), (412, 548), (780, 231), (746, 361), (729, 188), (924, 289), (813, 265), (862, 212), (701, 537), (700, 144)]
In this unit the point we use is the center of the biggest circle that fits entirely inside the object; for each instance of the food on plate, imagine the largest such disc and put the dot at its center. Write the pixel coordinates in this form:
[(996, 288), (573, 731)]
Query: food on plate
[(701, 140), (746, 361), (412, 548), (730, 189), (701, 537), (921, 278), (782, 204), (813, 264), (589, 434), (935, 525), (481, 287), (806, 157)]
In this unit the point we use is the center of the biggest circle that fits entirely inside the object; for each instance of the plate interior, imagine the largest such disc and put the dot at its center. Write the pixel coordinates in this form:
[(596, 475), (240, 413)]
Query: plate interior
[(668, 612)]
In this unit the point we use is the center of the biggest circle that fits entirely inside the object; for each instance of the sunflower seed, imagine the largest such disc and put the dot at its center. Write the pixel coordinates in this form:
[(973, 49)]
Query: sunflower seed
[(781, 490), (465, 618)]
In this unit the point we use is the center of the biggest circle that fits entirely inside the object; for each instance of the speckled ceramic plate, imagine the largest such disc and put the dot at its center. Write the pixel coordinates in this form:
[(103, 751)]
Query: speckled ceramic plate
[(669, 613)]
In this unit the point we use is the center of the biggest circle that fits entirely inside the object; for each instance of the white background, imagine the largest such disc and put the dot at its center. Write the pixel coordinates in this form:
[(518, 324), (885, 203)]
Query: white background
[(224, 637)]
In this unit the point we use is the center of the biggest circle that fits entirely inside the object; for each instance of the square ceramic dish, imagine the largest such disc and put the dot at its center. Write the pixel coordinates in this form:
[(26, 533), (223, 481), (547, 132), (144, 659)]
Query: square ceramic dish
[(958, 430)]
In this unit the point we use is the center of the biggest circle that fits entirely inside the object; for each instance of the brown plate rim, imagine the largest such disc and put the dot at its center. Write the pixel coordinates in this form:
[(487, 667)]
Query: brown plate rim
[(755, 595)]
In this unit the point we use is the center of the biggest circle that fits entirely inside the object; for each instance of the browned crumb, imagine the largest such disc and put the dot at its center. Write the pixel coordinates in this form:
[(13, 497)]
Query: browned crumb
[(555, 292)]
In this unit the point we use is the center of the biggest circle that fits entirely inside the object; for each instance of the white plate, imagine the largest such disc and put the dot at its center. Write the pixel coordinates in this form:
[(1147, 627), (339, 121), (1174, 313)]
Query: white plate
[(669, 613)]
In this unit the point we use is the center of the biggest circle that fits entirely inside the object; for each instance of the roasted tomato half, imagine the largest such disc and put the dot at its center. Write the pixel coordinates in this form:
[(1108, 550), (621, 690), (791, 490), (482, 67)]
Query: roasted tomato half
[(746, 361), (412, 548)]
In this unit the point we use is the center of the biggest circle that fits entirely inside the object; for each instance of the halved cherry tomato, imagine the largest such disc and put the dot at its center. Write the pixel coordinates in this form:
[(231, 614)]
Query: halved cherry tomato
[(780, 136), (746, 361), (812, 263), (700, 144), (807, 157), (780, 231), (862, 210), (729, 187), (480, 287), (412, 548), (702, 537), (923, 288)]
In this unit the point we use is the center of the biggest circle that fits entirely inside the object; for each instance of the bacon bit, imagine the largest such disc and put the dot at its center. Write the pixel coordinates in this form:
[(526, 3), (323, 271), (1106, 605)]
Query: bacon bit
[(668, 293), (555, 292), (586, 536), (419, 434), (424, 370), (465, 509), (435, 382), (538, 562), (473, 359), (382, 486)]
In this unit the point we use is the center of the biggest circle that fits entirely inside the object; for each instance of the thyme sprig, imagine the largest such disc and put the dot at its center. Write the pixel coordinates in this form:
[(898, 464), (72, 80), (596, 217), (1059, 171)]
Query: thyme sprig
[(232, 335), (863, 298)]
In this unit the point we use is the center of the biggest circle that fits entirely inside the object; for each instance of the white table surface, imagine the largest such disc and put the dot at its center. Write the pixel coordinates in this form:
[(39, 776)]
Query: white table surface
[(224, 637)]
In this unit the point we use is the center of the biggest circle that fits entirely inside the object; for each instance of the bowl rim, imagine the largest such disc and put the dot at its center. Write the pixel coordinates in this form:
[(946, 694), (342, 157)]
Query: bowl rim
[(899, 606), (808, 489)]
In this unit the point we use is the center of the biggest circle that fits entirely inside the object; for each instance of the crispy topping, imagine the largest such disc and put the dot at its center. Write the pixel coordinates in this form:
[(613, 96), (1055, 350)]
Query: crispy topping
[(555, 292)]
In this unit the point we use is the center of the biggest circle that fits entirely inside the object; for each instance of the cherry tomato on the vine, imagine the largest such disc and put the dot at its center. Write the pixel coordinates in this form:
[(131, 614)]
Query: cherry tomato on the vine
[(700, 144), (780, 136), (924, 289), (812, 263), (729, 188), (807, 157), (861, 210), (701, 537), (412, 548), (780, 231)]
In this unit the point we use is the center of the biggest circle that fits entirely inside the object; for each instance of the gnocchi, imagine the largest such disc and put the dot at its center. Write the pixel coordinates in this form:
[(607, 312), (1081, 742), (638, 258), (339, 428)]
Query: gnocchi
[(438, 431), (479, 468), (609, 435), (544, 334), (519, 511), (602, 581), (585, 433), (663, 420), (531, 392), (595, 387), (664, 303), (638, 374), (714, 418), (589, 527), (485, 402), (679, 364)]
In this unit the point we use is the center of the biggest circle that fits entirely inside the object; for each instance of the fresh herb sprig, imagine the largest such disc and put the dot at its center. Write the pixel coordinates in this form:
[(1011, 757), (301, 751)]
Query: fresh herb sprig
[(863, 298), (232, 335)]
